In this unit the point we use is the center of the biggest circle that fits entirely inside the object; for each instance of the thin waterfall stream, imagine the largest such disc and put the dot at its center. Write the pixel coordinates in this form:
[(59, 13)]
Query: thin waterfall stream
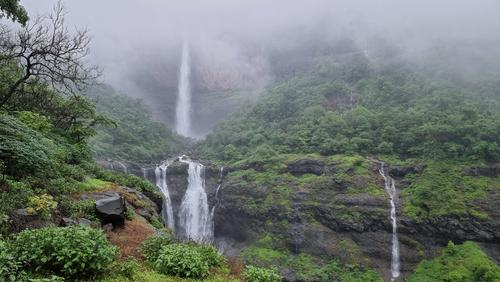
[(161, 182), (390, 188)]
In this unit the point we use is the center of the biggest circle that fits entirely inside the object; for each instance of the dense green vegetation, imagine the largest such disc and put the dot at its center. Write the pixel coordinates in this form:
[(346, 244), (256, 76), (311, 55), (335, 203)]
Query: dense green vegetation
[(136, 135), (465, 262), (354, 107)]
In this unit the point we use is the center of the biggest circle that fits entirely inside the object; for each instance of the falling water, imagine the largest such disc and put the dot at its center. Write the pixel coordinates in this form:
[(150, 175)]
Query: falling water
[(161, 182), (123, 167), (194, 215), (390, 188), (216, 202), (183, 119)]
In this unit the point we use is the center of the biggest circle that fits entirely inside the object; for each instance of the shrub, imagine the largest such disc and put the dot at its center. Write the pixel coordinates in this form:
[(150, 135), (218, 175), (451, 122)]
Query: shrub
[(23, 150), (43, 205), (70, 252), (258, 274), (126, 267), (78, 208), (211, 255), (466, 262), (183, 260), (151, 247), (129, 214), (9, 266)]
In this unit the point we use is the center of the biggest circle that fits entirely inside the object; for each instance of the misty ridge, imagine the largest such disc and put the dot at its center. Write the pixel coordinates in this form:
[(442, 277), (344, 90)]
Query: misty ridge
[(245, 45)]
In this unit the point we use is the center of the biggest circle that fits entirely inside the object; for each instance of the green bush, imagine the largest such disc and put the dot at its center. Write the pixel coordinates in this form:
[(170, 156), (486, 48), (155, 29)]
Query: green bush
[(183, 260), (23, 150), (259, 274), (464, 263), (211, 255), (43, 205), (78, 208), (151, 247), (70, 252), (9, 266), (129, 214)]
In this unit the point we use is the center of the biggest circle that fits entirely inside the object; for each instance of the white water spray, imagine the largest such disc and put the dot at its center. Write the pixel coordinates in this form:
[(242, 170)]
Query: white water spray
[(161, 182), (390, 188), (194, 215), (183, 109)]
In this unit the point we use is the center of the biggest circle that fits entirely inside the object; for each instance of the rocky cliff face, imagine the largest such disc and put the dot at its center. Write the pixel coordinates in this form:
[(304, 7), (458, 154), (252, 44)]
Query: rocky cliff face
[(339, 210), (327, 208)]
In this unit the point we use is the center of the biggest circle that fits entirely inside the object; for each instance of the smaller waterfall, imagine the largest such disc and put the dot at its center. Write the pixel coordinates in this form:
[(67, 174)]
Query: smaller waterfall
[(221, 175), (123, 167), (194, 215), (390, 188), (144, 173), (161, 182)]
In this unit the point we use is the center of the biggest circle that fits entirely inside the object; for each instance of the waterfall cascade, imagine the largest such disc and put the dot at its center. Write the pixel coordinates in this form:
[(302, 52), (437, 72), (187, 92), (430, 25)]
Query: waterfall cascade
[(194, 215), (183, 109), (390, 188), (161, 182)]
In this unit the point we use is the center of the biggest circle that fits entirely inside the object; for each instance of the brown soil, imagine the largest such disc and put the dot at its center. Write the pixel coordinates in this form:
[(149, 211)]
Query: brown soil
[(130, 237)]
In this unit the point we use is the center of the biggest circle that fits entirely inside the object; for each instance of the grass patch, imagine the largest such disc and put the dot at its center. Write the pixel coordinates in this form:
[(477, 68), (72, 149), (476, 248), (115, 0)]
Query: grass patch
[(94, 185)]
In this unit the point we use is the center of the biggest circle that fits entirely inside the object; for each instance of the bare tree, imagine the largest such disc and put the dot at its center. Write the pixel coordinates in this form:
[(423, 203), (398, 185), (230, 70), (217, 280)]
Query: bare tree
[(47, 51)]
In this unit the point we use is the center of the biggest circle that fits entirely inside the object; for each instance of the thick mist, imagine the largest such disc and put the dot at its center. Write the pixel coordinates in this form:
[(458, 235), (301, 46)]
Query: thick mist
[(238, 47)]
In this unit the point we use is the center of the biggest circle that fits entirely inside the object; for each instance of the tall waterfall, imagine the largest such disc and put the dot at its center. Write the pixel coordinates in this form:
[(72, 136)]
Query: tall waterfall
[(390, 188), (161, 182), (194, 215), (183, 119)]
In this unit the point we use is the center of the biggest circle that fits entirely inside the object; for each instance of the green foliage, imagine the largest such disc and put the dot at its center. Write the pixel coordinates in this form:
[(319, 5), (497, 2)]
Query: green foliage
[(78, 208), (9, 265), (211, 255), (43, 205), (136, 135), (464, 263), (126, 180), (23, 150), (129, 214), (183, 260), (394, 111), (70, 252), (259, 274), (151, 247), (12, 10), (443, 189)]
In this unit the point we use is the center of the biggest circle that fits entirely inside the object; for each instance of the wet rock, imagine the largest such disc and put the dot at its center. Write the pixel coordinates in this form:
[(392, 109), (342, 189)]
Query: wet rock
[(21, 219), (111, 210), (307, 166)]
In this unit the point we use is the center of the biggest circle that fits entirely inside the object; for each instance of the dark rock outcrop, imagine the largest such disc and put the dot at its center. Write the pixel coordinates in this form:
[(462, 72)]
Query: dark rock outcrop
[(21, 219), (307, 166), (111, 209), (488, 171)]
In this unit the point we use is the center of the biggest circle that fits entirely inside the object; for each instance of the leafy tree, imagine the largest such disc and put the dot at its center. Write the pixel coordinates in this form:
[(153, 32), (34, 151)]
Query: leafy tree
[(12, 10)]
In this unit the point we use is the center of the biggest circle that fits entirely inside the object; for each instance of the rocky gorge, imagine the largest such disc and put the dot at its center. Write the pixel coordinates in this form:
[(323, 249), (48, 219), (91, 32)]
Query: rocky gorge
[(322, 209)]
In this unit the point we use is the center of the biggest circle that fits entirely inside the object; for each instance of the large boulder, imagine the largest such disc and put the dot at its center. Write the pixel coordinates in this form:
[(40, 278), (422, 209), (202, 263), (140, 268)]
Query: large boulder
[(111, 209), (306, 166)]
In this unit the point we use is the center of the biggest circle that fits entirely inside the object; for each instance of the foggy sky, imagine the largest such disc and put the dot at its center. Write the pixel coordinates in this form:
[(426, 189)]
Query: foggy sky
[(126, 31)]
